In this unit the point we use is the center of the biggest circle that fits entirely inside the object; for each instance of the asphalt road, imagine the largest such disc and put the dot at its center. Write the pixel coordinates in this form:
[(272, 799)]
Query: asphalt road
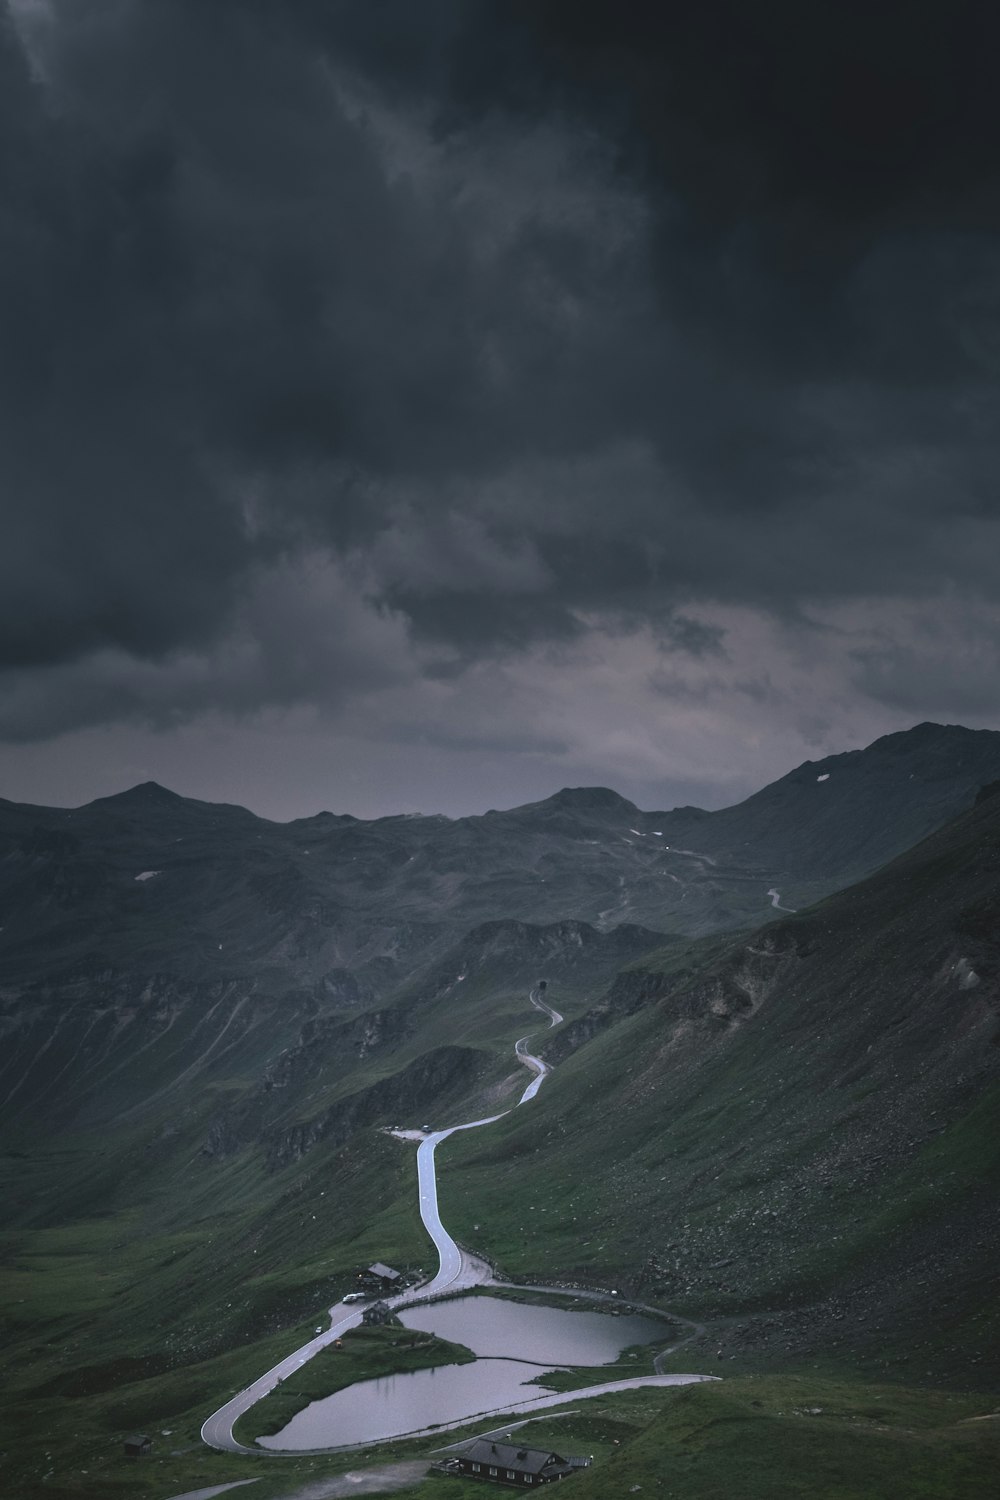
[(217, 1431), (554, 1017), (540, 1069), (457, 1271), (214, 1489)]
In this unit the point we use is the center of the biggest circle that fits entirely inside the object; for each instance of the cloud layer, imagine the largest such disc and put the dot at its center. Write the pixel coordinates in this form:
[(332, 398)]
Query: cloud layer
[(404, 367)]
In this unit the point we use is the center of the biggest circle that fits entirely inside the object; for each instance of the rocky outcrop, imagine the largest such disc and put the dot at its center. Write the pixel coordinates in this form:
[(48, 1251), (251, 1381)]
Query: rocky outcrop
[(737, 987), (328, 1045), (732, 991), (630, 992), (522, 951), (427, 1084)]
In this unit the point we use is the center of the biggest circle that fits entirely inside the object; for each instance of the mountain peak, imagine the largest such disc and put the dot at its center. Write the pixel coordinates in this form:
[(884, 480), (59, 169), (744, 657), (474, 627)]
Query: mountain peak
[(144, 794), (592, 799), (920, 736)]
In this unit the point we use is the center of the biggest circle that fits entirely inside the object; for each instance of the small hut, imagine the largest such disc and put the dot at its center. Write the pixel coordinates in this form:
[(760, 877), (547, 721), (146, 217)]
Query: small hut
[(138, 1445), (382, 1277), (377, 1314)]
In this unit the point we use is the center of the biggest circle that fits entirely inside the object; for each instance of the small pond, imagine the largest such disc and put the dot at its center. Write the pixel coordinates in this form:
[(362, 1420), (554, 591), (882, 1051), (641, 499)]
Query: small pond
[(549, 1336), (514, 1343)]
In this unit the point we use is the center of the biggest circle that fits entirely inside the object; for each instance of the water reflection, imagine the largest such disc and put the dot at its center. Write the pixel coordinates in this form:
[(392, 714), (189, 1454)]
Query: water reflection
[(377, 1409), (505, 1336), (550, 1335)]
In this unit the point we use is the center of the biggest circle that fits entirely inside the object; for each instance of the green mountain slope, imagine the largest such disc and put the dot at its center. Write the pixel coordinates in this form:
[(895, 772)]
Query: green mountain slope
[(789, 1136), (799, 1135)]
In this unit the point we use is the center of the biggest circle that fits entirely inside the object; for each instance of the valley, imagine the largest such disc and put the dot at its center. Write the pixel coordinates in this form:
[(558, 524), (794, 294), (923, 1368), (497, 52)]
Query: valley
[(457, 1271), (779, 1125)]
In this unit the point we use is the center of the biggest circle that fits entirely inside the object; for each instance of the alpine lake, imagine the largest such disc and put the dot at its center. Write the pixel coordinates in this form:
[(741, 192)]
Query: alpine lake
[(514, 1344)]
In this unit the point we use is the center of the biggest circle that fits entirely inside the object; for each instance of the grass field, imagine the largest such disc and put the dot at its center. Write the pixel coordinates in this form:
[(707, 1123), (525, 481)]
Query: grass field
[(752, 1438)]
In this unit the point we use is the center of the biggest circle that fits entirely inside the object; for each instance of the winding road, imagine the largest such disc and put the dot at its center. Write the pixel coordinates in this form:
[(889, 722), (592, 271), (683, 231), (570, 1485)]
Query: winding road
[(458, 1270)]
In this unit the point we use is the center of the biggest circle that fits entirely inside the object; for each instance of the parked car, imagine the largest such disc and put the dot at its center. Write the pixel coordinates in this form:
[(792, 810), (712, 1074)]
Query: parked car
[(354, 1297)]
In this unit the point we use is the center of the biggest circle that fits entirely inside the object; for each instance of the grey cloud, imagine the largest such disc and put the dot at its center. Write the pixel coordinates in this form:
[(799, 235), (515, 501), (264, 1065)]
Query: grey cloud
[(677, 689), (677, 632), (215, 284), (517, 741), (543, 318), (946, 665), (301, 634)]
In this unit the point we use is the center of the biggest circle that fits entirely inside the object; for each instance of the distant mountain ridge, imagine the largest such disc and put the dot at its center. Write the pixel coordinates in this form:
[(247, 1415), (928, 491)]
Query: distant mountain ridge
[(153, 921), (785, 1130), (150, 877), (849, 813)]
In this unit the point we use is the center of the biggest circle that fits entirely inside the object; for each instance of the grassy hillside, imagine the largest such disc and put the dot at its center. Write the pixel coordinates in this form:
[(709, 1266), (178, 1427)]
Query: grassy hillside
[(788, 1137), (159, 1252), (796, 1141)]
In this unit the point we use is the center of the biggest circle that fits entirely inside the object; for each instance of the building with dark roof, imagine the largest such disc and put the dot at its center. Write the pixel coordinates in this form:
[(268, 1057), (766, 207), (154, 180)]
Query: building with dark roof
[(506, 1463), (382, 1276), (377, 1314)]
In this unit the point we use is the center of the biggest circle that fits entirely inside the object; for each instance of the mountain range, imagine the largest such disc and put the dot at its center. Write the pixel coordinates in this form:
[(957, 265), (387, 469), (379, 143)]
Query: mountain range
[(775, 1099)]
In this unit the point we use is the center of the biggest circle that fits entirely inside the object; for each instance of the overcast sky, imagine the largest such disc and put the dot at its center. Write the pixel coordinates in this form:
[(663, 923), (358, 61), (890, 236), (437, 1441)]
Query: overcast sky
[(424, 406)]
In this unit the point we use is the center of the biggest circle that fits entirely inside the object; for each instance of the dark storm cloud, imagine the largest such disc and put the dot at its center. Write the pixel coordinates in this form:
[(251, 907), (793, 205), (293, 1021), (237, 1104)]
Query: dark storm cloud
[(823, 182), (228, 323), (79, 439), (825, 118), (529, 312)]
